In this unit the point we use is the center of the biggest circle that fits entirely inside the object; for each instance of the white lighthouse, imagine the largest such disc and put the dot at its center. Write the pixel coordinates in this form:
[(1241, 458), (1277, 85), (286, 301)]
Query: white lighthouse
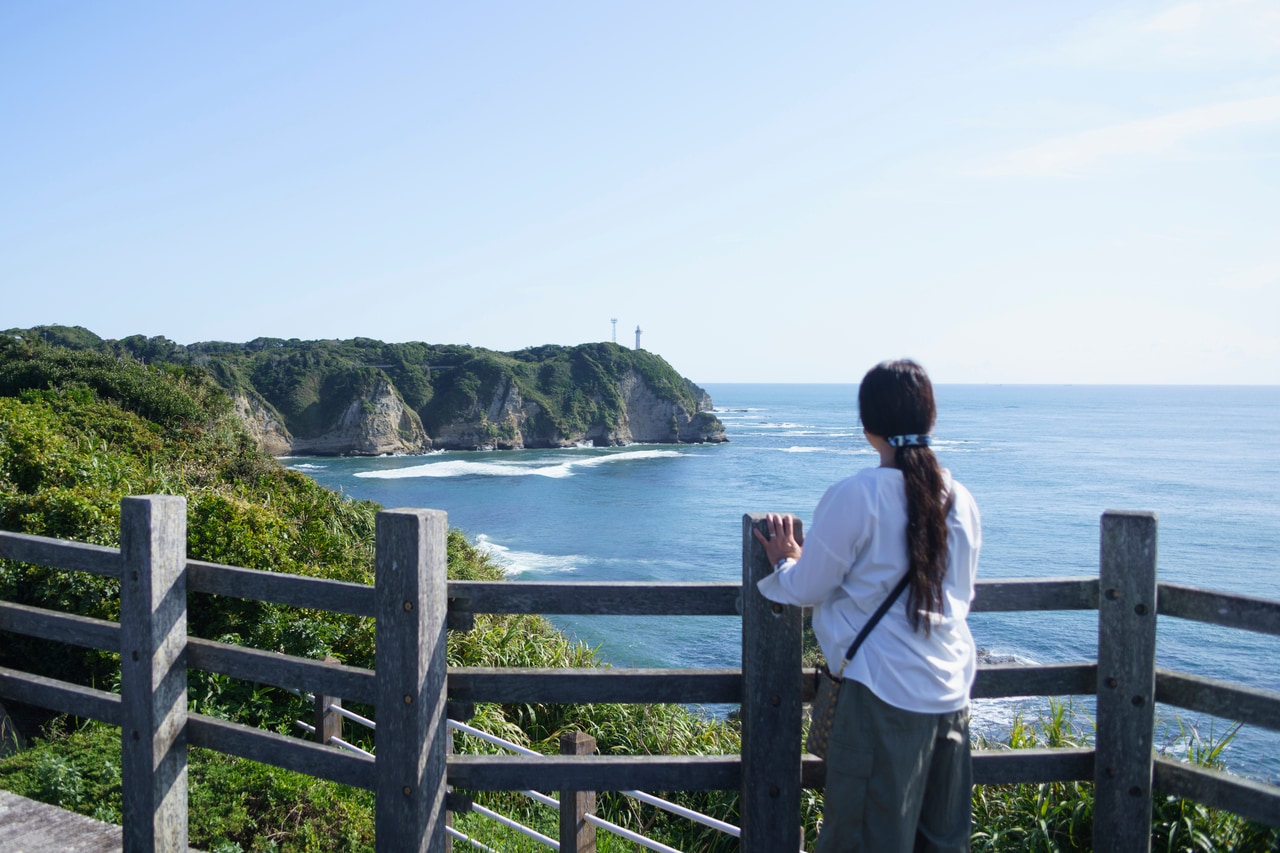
[(637, 337)]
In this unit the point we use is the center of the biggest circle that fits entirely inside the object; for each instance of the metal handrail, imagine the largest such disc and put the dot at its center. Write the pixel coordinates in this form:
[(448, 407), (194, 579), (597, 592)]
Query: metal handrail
[(657, 802), (453, 833), (681, 811), (518, 827), (628, 834)]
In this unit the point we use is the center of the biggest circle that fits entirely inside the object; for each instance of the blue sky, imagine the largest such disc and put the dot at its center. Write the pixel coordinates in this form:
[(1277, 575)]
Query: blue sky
[(1006, 191)]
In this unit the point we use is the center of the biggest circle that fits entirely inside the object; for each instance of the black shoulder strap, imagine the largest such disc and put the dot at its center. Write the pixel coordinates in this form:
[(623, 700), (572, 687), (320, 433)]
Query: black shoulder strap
[(875, 618)]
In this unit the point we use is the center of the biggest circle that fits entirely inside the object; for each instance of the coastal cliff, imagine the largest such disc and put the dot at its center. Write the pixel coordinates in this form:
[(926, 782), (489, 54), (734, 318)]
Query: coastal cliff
[(373, 423), (629, 412), (599, 394), (263, 422), (363, 397)]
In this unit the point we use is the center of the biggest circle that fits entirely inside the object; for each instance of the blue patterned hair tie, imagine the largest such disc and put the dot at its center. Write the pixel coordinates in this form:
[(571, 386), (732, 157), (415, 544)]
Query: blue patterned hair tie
[(911, 440)]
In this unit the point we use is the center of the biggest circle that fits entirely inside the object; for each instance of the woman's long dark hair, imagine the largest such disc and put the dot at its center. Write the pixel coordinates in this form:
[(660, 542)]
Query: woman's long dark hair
[(896, 398)]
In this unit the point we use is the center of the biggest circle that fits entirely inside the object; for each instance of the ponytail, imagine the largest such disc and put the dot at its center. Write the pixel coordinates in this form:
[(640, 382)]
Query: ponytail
[(927, 509), (896, 399)]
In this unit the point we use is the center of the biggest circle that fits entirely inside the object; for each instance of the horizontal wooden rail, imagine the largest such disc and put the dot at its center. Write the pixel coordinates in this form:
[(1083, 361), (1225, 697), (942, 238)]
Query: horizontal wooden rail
[(586, 685), (1229, 610), (595, 772), (999, 766), (597, 598), (289, 753), (723, 772), (330, 679), (639, 686), (1002, 767), (715, 772), (245, 741), (61, 627), (61, 696), (998, 681), (1249, 705), (1214, 788), (280, 588), (60, 554), (725, 599), (592, 598), (1015, 594)]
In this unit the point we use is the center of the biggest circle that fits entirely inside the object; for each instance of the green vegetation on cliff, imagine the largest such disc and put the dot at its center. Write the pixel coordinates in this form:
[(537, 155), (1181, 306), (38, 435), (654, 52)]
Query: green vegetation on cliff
[(553, 394)]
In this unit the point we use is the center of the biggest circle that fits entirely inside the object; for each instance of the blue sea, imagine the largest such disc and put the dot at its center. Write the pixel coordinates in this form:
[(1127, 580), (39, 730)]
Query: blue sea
[(1043, 462)]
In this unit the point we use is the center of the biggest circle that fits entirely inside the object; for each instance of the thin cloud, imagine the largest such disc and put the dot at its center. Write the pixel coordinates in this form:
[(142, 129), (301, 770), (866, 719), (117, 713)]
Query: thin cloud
[(1262, 277), (1080, 153), (1180, 36)]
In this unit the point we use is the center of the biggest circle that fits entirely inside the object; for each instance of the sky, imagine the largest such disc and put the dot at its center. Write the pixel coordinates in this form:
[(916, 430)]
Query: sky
[(1008, 192)]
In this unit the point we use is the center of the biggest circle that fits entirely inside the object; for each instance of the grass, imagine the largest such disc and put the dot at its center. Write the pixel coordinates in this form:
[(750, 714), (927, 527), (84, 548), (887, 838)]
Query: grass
[(1047, 816), (1057, 817)]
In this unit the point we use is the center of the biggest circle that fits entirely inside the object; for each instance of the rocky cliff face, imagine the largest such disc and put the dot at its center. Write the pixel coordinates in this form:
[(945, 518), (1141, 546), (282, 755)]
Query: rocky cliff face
[(364, 397), (500, 423), (372, 424), (506, 421), (380, 423), (263, 422), (650, 418), (703, 398)]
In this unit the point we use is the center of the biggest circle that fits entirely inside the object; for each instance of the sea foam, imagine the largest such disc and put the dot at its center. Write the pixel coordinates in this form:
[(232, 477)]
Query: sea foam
[(516, 467), (515, 563)]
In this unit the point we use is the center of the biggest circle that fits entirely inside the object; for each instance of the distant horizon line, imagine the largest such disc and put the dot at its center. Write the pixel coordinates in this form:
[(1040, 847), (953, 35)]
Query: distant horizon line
[(1034, 384)]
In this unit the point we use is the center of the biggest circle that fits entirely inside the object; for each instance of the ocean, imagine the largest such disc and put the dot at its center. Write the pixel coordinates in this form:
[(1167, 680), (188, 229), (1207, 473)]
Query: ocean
[(1043, 462)]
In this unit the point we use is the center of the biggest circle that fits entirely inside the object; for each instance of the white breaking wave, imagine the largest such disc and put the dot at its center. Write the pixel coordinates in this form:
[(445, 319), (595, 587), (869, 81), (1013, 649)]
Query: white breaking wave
[(821, 433), (956, 446), (516, 467), (308, 466), (515, 563)]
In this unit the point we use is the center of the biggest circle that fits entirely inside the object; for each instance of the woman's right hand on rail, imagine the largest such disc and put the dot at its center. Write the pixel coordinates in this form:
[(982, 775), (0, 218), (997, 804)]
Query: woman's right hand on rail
[(780, 543)]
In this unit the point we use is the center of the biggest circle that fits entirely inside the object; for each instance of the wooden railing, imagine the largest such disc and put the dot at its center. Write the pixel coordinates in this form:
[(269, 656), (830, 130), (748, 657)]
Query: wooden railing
[(415, 605)]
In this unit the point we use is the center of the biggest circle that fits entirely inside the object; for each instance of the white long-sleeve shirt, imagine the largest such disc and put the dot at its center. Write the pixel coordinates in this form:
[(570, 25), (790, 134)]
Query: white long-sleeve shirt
[(855, 552)]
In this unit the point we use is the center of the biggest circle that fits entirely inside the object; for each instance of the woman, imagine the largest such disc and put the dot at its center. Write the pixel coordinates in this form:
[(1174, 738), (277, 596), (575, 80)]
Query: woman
[(898, 769)]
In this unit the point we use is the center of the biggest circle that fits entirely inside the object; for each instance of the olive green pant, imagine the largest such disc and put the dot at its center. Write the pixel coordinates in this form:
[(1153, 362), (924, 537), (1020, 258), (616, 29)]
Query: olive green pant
[(897, 781)]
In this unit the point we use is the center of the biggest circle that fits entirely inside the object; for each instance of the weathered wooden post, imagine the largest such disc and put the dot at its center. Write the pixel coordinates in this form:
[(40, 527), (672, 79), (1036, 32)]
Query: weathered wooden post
[(413, 734), (1126, 683), (328, 721), (153, 673), (576, 835), (770, 707)]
